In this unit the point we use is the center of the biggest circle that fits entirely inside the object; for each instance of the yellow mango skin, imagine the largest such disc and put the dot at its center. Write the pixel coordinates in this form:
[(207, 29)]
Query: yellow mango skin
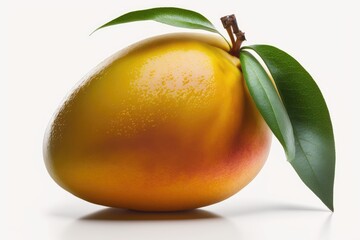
[(164, 125)]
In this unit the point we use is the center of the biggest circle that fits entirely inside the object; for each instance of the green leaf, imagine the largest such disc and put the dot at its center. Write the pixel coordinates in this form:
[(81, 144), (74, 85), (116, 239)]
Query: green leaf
[(268, 102), (315, 147), (177, 17)]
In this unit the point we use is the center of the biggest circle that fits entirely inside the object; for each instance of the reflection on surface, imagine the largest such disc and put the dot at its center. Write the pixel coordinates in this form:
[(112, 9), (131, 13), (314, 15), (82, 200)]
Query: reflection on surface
[(250, 220), (325, 230), (118, 224), (274, 208), (275, 220), (114, 214)]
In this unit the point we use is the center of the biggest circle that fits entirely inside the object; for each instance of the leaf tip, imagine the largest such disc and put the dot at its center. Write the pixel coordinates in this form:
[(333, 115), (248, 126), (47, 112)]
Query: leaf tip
[(93, 32), (290, 155), (329, 203), (96, 30), (330, 206)]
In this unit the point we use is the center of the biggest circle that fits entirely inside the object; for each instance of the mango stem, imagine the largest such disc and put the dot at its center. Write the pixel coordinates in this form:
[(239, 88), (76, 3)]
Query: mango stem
[(230, 24)]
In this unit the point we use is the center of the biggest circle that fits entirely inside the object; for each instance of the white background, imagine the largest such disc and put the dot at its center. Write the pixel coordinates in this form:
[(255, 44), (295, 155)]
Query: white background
[(48, 49)]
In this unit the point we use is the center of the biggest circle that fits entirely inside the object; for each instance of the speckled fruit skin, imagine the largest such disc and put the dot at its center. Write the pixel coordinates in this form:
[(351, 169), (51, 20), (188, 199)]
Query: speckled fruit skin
[(164, 125)]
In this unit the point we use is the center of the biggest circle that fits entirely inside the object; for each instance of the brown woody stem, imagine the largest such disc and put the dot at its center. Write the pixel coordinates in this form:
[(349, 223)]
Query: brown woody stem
[(230, 24)]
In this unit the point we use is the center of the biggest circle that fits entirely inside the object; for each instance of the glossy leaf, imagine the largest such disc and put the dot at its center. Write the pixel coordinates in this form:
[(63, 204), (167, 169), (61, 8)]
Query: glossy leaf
[(168, 15), (268, 101), (315, 147)]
